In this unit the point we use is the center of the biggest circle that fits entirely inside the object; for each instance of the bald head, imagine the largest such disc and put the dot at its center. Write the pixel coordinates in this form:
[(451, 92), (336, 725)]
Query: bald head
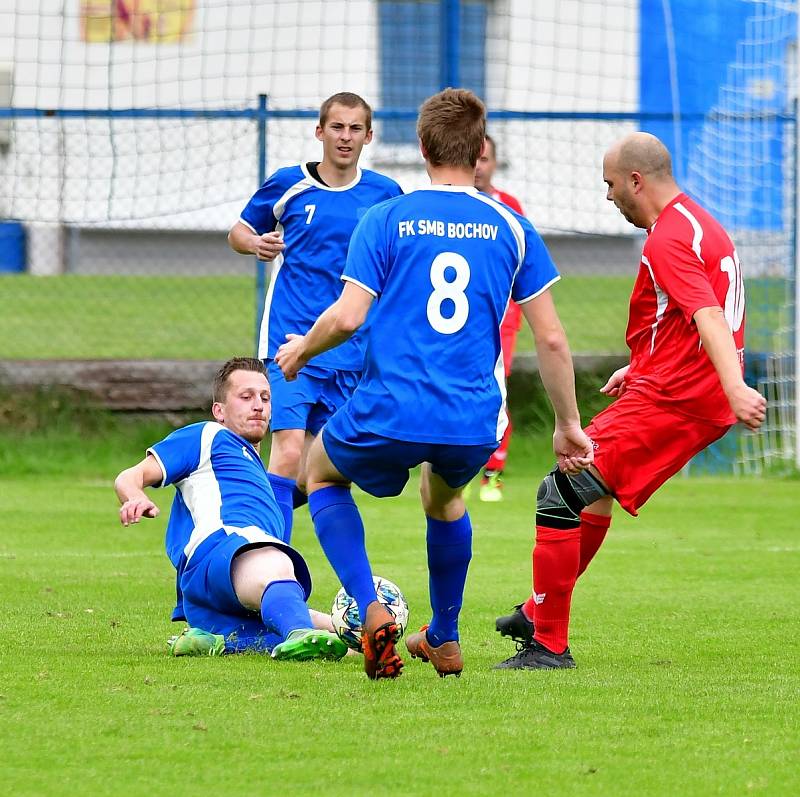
[(638, 172), (643, 153)]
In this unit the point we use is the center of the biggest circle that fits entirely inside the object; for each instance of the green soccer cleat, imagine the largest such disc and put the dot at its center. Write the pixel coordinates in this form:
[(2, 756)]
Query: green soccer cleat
[(491, 488), (196, 642), (309, 643)]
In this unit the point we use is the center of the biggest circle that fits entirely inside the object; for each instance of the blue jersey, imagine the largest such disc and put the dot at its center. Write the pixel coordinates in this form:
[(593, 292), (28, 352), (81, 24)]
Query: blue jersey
[(443, 262), (220, 483), (317, 222)]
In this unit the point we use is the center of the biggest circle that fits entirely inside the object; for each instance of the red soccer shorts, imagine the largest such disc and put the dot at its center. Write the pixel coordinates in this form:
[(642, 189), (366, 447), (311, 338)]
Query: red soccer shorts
[(638, 445)]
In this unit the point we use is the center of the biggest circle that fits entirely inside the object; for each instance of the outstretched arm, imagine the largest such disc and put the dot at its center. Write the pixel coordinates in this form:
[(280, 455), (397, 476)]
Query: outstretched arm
[(129, 486), (748, 405), (572, 447), (334, 326)]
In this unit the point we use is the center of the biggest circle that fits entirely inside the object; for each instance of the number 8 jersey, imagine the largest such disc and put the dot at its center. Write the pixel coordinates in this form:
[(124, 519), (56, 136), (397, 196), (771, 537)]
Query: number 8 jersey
[(688, 263), (442, 263)]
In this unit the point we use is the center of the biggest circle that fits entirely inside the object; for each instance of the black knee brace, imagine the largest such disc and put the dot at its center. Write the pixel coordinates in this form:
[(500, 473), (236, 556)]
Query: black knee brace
[(561, 498)]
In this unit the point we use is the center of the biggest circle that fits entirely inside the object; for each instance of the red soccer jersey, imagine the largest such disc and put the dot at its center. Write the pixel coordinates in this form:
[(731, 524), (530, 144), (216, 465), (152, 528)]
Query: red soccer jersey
[(507, 199), (688, 262), (512, 320)]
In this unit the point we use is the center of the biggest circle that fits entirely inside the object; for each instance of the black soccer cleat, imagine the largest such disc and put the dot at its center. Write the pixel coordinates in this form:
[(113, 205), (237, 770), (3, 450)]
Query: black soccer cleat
[(536, 656), (515, 625)]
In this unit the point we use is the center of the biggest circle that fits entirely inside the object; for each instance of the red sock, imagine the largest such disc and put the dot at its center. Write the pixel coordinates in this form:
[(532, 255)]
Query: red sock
[(528, 608), (556, 557), (593, 532)]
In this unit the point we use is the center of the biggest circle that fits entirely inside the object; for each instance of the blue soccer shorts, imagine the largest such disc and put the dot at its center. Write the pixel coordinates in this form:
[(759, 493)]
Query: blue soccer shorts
[(209, 599), (380, 465), (308, 401)]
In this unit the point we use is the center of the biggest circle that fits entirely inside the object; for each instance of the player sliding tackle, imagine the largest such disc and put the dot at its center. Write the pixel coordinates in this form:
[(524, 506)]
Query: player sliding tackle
[(682, 390), (240, 585), (443, 261)]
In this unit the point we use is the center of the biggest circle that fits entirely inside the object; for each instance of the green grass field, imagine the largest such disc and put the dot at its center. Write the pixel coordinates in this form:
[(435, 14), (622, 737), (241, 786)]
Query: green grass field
[(88, 317), (685, 633), (168, 317)]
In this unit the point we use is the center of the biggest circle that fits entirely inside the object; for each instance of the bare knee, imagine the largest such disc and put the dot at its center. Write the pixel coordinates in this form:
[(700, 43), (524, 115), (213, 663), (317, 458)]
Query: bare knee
[(253, 570), (603, 506), (439, 500), (319, 470), (286, 453), (302, 470)]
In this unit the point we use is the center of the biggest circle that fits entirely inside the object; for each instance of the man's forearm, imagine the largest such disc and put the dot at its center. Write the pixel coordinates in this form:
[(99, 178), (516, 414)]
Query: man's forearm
[(555, 361), (241, 240), (719, 345), (328, 331), (129, 484), (132, 481), (558, 378)]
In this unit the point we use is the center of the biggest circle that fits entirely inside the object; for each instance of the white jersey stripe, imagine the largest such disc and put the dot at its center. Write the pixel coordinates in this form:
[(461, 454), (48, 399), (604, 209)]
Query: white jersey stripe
[(500, 378), (253, 534), (277, 211), (201, 493), (263, 337), (698, 230), (662, 300), (508, 217), (292, 191)]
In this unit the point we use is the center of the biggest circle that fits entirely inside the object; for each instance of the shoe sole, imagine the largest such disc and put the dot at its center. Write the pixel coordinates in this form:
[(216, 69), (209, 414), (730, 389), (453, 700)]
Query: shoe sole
[(570, 666), (387, 663), (544, 663)]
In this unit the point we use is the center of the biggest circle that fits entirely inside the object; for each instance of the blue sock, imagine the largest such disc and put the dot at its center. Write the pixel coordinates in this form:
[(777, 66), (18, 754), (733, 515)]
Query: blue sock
[(299, 498), (282, 487), (340, 532), (449, 553), (283, 608)]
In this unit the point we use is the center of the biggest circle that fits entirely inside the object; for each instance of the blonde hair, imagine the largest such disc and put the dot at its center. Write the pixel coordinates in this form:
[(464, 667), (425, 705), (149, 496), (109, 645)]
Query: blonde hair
[(452, 127)]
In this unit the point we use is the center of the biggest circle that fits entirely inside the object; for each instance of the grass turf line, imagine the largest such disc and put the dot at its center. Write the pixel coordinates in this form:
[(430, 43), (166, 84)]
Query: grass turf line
[(684, 631)]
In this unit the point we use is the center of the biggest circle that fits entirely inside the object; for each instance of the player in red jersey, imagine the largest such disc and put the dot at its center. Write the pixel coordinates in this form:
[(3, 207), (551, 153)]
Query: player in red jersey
[(491, 480), (682, 390)]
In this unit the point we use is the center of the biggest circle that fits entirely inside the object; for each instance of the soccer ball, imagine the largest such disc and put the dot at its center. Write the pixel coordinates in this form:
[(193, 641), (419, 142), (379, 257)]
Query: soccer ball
[(344, 612)]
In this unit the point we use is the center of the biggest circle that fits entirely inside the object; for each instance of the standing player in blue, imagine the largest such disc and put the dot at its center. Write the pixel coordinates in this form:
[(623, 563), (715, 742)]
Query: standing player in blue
[(444, 262), (302, 219), (240, 586)]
